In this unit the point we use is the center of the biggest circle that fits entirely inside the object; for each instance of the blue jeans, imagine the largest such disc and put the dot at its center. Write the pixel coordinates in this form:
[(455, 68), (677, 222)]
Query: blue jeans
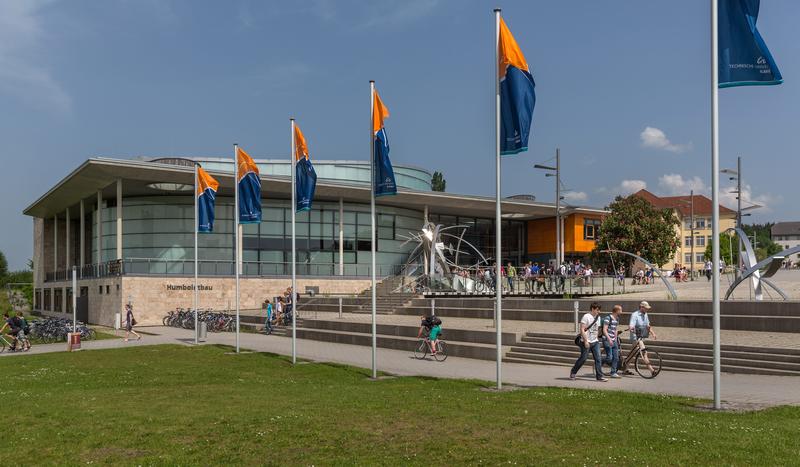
[(510, 283), (595, 348), (612, 355)]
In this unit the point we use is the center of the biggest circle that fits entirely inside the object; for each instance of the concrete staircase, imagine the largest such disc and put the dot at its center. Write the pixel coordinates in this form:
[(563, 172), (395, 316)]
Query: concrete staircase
[(559, 349), (460, 343)]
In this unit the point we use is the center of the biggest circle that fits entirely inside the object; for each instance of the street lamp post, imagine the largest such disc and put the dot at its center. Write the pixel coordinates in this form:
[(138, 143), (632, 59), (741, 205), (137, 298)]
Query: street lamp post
[(556, 172), (737, 175)]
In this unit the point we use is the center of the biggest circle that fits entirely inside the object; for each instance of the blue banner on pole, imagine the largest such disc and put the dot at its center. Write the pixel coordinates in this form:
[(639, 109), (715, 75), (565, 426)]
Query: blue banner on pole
[(384, 173), (305, 184), (206, 193), (744, 59), (249, 188), (517, 99)]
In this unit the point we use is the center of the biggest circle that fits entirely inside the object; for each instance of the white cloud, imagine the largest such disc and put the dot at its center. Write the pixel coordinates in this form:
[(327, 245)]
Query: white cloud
[(728, 198), (628, 187), (22, 74), (655, 138), (575, 196), (675, 185)]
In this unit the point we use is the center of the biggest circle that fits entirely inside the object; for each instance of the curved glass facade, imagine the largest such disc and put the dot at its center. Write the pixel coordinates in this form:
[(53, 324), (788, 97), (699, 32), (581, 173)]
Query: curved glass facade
[(159, 231), (340, 171)]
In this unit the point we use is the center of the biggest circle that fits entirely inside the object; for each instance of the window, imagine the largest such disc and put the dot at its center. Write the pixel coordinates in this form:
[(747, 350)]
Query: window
[(687, 223), (101, 290), (687, 258), (108, 289), (701, 241), (700, 223), (591, 229), (699, 258), (687, 241)]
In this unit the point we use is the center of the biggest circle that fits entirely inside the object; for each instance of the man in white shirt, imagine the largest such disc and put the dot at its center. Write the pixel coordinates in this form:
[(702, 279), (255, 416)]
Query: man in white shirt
[(590, 324)]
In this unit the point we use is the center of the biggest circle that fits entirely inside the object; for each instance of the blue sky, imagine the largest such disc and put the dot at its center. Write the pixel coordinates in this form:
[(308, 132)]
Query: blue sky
[(622, 89)]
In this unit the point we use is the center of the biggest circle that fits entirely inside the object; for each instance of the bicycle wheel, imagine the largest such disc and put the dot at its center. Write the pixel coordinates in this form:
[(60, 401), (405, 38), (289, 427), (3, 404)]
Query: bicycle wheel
[(648, 364), (421, 350), (441, 351)]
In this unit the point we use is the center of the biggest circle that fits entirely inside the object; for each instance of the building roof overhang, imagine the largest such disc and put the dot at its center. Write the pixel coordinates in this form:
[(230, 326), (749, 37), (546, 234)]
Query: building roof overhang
[(101, 174)]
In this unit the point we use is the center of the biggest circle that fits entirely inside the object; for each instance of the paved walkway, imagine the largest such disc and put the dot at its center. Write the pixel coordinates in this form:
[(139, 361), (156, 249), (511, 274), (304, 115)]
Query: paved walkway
[(738, 389)]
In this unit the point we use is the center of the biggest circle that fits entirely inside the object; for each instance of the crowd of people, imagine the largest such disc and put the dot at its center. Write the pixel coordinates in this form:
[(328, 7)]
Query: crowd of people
[(598, 331), (532, 276)]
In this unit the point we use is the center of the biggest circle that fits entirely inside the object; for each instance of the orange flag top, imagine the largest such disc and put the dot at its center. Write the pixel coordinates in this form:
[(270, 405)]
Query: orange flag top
[(205, 181), (245, 164), (508, 51), (379, 112), (300, 147)]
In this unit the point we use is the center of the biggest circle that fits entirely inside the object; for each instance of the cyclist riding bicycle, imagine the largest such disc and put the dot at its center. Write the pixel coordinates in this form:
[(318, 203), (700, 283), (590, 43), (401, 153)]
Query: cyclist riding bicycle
[(14, 327), (430, 327)]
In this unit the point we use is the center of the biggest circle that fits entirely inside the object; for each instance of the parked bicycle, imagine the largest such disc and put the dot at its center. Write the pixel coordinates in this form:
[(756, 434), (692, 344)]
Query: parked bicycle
[(50, 330), (215, 321)]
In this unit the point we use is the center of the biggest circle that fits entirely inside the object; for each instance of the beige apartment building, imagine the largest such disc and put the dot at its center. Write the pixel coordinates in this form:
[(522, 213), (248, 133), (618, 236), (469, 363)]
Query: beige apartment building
[(682, 207)]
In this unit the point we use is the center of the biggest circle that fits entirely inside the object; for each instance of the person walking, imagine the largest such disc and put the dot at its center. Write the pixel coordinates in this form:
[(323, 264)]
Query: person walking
[(587, 341), (130, 322), (511, 272), (268, 323), (611, 343), (708, 267)]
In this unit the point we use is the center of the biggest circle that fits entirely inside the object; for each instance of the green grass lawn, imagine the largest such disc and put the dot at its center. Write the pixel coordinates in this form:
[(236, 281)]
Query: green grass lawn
[(198, 405)]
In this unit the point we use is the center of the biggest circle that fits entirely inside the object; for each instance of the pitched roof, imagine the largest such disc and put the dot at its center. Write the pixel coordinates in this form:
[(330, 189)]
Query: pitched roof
[(683, 204), (785, 228)]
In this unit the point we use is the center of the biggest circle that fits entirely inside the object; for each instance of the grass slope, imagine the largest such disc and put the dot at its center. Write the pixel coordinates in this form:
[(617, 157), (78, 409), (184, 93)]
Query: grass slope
[(182, 405)]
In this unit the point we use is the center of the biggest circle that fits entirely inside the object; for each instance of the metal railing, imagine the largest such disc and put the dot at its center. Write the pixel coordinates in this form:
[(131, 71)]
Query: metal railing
[(168, 267), (543, 285)]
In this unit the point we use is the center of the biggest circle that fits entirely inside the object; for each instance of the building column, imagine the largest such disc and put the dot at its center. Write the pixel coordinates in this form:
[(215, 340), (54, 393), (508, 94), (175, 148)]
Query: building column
[(55, 244), (64, 299), (67, 264), (99, 227), (119, 218), (82, 232), (425, 215), (341, 237)]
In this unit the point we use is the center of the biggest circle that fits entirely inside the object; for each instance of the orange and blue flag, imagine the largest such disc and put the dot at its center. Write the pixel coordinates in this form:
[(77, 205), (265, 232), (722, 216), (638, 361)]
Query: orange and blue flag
[(383, 172), (206, 191), (305, 176), (517, 95), (249, 188)]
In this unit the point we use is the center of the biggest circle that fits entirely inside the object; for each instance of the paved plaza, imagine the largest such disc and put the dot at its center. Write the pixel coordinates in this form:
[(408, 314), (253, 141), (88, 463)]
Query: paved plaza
[(700, 288), (736, 389)]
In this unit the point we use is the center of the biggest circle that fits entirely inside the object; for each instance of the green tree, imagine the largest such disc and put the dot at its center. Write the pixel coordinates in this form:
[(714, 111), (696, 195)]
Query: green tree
[(438, 183), (727, 248), (635, 226), (3, 266)]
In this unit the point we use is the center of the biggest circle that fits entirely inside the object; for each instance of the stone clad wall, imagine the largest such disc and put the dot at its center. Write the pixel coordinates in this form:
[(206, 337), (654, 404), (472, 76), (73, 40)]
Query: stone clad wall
[(153, 297)]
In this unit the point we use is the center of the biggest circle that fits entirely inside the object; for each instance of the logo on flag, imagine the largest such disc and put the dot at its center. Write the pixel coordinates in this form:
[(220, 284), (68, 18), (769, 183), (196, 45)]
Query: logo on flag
[(517, 95), (744, 59), (249, 188)]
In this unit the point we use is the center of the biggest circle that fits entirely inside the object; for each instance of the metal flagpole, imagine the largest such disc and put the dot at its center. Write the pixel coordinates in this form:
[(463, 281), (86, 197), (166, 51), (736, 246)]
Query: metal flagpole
[(236, 232), (715, 198), (739, 262), (372, 229), (558, 208), (498, 227), (196, 184), (74, 298), (294, 249)]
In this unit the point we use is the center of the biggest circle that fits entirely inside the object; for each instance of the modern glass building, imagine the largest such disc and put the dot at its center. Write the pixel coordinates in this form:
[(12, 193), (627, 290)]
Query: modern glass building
[(113, 218)]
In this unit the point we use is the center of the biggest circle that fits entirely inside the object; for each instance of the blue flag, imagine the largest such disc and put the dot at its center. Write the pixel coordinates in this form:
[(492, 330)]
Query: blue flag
[(305, 184), (305, 177), (206, 193), (382, 167), (517, 95), (249, 186), (744, 59)]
